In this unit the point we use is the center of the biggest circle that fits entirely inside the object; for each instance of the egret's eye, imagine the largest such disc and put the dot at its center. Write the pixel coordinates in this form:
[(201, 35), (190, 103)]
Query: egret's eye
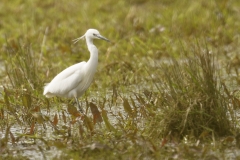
[(94, 34)]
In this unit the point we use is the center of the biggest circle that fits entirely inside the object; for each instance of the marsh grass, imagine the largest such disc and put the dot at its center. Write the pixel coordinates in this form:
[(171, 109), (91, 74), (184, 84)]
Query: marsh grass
[(138, 107), (21, 66), (194, 99), (191, 100)]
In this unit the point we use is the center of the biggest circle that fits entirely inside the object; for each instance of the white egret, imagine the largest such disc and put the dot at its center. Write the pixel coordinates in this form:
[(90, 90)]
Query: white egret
[(75, 80)]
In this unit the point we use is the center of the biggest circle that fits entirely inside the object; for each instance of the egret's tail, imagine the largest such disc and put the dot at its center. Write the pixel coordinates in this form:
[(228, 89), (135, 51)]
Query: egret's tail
[(45, 92)]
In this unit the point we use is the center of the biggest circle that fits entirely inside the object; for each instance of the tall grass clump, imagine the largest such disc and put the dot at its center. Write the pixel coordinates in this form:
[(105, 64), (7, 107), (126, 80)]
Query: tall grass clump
[(22, 82), (194, 99), (21, 66)]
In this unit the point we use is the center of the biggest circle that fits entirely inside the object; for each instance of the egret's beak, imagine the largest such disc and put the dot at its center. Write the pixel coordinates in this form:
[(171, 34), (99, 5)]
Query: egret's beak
[(77, 39), (101, 37)]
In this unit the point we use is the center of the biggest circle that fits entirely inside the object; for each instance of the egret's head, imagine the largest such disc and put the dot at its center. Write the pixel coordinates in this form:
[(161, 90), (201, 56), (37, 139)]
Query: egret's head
[(92, 34)]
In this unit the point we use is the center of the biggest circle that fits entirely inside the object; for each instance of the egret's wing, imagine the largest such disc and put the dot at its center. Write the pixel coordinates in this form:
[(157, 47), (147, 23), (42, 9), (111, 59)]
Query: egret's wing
[(65, 81)]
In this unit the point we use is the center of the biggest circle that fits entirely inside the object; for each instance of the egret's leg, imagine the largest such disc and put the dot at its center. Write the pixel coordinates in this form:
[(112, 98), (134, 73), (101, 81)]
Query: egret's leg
[(79, 107)]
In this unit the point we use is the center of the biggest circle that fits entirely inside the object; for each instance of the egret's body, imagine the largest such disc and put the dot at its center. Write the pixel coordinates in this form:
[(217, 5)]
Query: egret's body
[(75, 80)]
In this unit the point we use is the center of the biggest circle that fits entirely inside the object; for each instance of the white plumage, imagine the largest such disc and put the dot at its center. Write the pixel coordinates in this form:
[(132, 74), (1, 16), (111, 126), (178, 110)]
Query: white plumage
[(75, 80)]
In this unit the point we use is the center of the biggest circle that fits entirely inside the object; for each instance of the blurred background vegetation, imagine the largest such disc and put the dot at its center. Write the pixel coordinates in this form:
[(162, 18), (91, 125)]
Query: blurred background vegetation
[(166, 85)]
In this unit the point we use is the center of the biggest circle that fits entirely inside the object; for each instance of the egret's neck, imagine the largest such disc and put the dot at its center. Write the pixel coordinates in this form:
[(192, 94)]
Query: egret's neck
[(93, 60), (89, 42)]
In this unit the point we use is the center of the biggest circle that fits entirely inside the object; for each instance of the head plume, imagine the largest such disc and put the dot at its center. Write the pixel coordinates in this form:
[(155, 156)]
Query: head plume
[(77, 39)]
